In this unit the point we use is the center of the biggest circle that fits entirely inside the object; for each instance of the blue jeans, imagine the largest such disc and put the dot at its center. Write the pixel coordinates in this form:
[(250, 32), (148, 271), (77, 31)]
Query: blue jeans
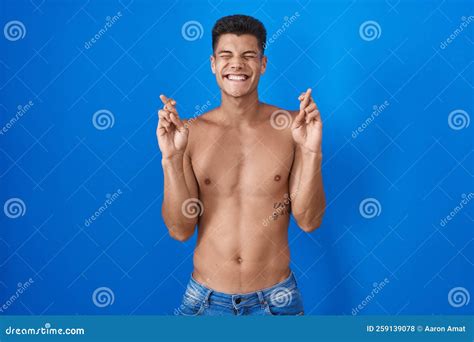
[(283, 298)]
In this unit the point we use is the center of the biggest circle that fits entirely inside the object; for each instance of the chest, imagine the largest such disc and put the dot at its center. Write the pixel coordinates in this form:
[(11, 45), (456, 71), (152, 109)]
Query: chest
[(251, 162)]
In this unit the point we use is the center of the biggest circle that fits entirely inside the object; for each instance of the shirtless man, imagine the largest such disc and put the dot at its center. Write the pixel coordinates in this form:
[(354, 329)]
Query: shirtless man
[(237, 172)]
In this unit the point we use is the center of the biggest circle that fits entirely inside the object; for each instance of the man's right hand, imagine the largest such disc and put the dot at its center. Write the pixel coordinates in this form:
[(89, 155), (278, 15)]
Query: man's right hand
[(171, 133)]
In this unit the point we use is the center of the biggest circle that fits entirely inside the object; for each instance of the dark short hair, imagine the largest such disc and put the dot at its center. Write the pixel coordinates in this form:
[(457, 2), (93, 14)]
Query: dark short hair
[(239, 24)]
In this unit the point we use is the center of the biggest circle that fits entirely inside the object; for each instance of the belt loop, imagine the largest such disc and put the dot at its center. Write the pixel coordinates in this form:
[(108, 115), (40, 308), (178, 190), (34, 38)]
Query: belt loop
[(261, 298), (206, 298)]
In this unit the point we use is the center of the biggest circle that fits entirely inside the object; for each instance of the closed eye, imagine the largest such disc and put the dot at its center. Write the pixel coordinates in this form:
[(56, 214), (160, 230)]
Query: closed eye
[(250, 55)]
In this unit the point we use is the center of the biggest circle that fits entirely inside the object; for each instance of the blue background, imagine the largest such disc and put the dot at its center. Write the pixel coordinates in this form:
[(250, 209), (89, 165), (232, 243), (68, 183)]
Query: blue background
[(62, 167)]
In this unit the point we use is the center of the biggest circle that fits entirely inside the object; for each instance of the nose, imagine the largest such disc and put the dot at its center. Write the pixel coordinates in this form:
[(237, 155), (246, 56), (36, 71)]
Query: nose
[(236, 65)]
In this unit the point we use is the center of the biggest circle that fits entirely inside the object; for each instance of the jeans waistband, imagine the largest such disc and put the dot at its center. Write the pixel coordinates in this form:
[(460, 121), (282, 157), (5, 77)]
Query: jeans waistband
[(201, 292)]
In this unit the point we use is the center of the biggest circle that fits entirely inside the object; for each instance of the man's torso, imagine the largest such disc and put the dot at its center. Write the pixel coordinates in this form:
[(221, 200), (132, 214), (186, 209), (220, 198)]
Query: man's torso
[(243, 181)]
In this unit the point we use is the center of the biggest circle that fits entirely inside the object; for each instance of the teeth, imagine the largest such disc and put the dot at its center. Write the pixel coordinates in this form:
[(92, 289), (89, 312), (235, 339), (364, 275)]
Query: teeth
[(236, 77)]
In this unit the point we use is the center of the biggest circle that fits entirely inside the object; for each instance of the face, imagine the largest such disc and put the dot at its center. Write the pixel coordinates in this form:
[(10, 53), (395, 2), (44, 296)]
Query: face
[(238, 63)]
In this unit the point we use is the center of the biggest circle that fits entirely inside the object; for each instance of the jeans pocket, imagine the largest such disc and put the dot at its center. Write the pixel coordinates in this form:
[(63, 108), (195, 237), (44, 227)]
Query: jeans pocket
[(284, 302), (190, 307)]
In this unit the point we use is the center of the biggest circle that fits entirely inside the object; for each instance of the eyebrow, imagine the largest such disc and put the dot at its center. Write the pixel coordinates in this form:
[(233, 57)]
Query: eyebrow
[(245, 52)]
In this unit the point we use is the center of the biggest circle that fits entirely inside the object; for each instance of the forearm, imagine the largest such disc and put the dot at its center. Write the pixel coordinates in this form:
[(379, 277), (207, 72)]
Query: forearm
[(176, 192), (309, 200)]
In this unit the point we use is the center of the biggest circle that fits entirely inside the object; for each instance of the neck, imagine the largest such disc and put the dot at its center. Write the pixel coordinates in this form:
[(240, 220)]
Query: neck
[(239, 110)]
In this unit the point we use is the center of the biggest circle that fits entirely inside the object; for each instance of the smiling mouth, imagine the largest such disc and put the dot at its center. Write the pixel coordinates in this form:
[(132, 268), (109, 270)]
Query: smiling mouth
[(236, 77)]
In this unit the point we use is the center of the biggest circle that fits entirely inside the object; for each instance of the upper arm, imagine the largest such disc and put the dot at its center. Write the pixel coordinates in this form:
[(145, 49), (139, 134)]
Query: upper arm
[(189, 176), (295, 171), (295, 174), (188, 171)]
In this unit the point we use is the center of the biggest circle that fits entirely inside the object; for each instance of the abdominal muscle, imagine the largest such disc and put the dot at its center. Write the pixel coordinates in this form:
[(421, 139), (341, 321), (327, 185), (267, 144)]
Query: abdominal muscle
[(236, 251)]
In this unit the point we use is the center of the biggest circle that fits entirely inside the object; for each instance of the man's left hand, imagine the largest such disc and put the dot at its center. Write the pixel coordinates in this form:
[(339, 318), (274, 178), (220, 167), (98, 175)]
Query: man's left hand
[(307, 128)]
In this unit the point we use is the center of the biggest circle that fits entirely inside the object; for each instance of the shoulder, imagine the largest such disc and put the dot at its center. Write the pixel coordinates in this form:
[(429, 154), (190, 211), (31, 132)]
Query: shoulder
[(279, 118), (199, 127), (199, 122)]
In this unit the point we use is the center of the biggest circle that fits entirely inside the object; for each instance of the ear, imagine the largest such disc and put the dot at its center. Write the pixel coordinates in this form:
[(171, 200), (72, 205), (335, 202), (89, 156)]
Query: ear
[(213, 64), (263, 67)]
